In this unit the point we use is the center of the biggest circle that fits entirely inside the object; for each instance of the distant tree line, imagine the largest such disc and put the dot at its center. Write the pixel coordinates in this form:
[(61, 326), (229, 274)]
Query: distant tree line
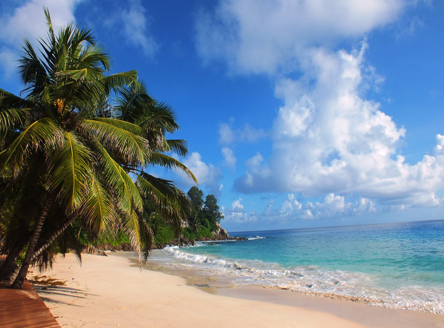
[(200, 223), (205, 215)]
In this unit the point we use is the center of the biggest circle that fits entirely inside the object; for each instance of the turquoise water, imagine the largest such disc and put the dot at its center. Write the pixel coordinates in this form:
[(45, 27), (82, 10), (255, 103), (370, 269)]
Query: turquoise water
[(393, 265)]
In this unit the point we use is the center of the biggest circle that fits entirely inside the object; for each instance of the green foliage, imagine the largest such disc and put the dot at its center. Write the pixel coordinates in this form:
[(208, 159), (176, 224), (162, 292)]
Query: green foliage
[(64, 145), (200, 233), (113, 239), (205, 215), (164, 235)]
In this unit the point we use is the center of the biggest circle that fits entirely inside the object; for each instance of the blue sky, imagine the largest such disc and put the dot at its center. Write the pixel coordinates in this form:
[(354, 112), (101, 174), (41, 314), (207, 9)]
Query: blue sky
[(297, 113)]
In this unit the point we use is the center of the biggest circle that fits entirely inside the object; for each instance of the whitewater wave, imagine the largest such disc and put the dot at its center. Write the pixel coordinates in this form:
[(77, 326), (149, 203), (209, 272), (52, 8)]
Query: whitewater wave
[(255, 238), (309, 280)]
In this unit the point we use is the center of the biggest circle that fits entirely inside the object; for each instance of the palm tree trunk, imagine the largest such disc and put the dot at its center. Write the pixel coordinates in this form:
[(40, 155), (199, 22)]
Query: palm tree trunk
[(54, 236), (19, 275), (8, 266)]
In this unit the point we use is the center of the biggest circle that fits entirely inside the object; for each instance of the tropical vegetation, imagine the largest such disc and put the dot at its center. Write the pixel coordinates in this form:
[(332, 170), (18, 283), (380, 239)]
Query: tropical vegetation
[(205, 216), (75, 149)]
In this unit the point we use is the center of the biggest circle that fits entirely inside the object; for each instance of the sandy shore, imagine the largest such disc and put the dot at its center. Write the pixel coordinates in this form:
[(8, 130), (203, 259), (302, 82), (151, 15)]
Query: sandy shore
[(110, 292)]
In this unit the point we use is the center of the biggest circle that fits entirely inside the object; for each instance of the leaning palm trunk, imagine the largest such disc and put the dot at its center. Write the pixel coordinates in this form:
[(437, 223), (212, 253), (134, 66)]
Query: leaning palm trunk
[(54, 236), (19, 275), (8, 265)]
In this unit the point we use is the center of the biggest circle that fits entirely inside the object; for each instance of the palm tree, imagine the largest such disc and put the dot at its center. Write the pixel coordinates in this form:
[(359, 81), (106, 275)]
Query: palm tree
[(60, 150), (156, 119)]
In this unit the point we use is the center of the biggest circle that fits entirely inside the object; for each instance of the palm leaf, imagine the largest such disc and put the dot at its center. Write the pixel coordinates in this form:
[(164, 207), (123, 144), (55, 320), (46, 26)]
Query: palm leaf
[(9, 100), (114, 81), (160, 116), (125, 188), (121, 137), (177, 145), (99, 209), (10, 118), (133, 102), (42, 134), (163, 192), (170, 163), (72, 171), (32, 71), (141, 235), (171, 202)]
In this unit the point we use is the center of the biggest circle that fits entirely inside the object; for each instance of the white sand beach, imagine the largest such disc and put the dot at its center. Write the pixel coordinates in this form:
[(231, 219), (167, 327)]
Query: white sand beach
[(108, 291)]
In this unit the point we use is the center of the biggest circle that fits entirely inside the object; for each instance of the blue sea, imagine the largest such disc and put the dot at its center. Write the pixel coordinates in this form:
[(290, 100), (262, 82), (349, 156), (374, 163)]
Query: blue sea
[(392, 265)]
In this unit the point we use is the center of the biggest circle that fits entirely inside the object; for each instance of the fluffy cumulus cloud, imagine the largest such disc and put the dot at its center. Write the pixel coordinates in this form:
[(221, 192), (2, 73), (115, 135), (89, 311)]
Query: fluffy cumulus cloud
[(206, 174), (280, 30), (328, 139), (294, 208), (238, 214), (28, 20), (331, 206)]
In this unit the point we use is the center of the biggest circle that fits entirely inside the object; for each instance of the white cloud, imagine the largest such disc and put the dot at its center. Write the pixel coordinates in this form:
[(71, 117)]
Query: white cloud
[(206, 174), (136, 27), (239, 30), (229, 158), (331, 206), (290, 205), (226, 134), (28, 21), (255, 169), (248, 134), (327, 137), (8, 60), (237, 206)]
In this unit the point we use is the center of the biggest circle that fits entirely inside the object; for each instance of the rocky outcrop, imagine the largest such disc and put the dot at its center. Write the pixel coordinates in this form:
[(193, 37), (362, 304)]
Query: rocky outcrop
[(221, 233)]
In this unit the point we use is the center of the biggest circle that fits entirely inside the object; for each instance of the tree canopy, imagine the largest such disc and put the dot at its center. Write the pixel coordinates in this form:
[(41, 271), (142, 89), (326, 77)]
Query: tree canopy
[(205, 215), (76, 147)]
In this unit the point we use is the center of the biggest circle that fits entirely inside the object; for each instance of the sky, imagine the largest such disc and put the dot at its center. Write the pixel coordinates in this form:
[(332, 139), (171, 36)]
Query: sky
[(297, 113)]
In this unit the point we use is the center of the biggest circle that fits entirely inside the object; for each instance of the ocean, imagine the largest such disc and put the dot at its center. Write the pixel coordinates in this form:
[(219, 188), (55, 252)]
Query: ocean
[(399, 265)]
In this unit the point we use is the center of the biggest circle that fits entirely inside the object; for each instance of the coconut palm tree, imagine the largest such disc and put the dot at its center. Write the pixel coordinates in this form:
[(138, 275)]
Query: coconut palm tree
[(62, 153), (156, 119)]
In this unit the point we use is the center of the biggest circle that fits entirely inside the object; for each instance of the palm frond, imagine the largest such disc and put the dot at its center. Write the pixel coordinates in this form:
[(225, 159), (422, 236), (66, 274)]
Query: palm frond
[(171, 203), (132, 102), (159, 116), (32, 71), (9, 100), (11, 118), (99, 210), (170, 163), (177, 145), (123, 138), (42, 134), (72, 171), (141, 235), (161, 189), (114, 81), (125, 188)]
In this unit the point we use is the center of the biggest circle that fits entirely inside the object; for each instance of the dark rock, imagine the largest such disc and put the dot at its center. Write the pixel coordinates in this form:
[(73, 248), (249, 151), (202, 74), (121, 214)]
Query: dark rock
[(93, 250)]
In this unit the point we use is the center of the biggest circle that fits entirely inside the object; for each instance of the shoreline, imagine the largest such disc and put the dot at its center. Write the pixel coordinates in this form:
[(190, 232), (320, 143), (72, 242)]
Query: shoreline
[(347, 308), (112, 292)]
